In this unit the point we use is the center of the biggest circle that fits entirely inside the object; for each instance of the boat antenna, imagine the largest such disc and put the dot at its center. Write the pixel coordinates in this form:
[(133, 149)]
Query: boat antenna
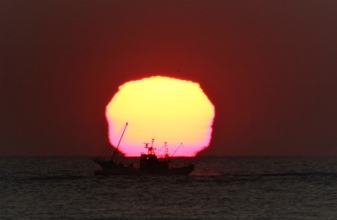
[(152, 142), (166, 155), (120, 139)]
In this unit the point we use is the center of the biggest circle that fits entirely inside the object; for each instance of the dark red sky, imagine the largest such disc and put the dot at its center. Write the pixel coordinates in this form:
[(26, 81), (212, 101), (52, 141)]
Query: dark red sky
[(269, 67)]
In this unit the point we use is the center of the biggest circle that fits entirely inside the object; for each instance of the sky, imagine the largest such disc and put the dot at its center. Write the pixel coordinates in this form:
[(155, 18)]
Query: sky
[(269, 68)]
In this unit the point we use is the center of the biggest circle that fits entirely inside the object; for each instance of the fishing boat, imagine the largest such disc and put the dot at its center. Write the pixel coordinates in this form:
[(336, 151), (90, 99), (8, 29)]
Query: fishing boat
[(149, 163)]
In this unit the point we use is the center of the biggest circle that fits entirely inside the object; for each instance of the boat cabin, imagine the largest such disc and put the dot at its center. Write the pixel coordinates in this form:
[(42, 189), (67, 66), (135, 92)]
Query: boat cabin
[(150, 162)]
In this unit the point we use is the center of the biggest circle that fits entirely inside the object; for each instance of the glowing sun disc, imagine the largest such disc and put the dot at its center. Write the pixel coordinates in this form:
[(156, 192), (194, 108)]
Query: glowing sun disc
[(166, 109)]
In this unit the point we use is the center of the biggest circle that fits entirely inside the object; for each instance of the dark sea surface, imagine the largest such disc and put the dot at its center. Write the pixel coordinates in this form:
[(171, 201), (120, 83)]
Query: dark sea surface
[(219, 188)]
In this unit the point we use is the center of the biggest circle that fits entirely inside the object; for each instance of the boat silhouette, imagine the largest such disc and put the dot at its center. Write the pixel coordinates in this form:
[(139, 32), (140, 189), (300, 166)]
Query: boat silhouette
[(149, 164)]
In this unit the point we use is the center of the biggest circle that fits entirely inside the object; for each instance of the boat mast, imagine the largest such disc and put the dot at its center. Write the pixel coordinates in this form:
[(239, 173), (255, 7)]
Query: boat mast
[(116, 150), (166, 155)]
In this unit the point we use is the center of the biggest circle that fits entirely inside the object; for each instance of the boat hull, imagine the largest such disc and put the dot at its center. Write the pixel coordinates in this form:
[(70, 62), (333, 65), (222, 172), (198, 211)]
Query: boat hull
[(109, 169)]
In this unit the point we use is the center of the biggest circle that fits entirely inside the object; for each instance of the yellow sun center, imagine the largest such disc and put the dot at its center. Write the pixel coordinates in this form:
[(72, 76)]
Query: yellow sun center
[(166, 109)]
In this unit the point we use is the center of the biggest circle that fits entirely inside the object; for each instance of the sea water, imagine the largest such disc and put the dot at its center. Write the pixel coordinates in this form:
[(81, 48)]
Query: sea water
[(219, 188)]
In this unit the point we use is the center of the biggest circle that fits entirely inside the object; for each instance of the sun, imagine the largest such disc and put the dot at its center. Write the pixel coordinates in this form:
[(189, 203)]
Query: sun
[(161, 108)]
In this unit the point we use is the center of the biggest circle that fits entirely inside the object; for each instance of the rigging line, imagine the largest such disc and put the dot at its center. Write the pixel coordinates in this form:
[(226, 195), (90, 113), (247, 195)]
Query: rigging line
[(109, 147), (174, 144), (106, 151), (117, 135), (177, 148), (163, 150), (115, 154), (160, 149), (184, 150)]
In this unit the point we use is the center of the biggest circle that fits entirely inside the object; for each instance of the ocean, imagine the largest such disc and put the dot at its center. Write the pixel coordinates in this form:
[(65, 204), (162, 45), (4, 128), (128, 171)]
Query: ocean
[(219, 188)]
